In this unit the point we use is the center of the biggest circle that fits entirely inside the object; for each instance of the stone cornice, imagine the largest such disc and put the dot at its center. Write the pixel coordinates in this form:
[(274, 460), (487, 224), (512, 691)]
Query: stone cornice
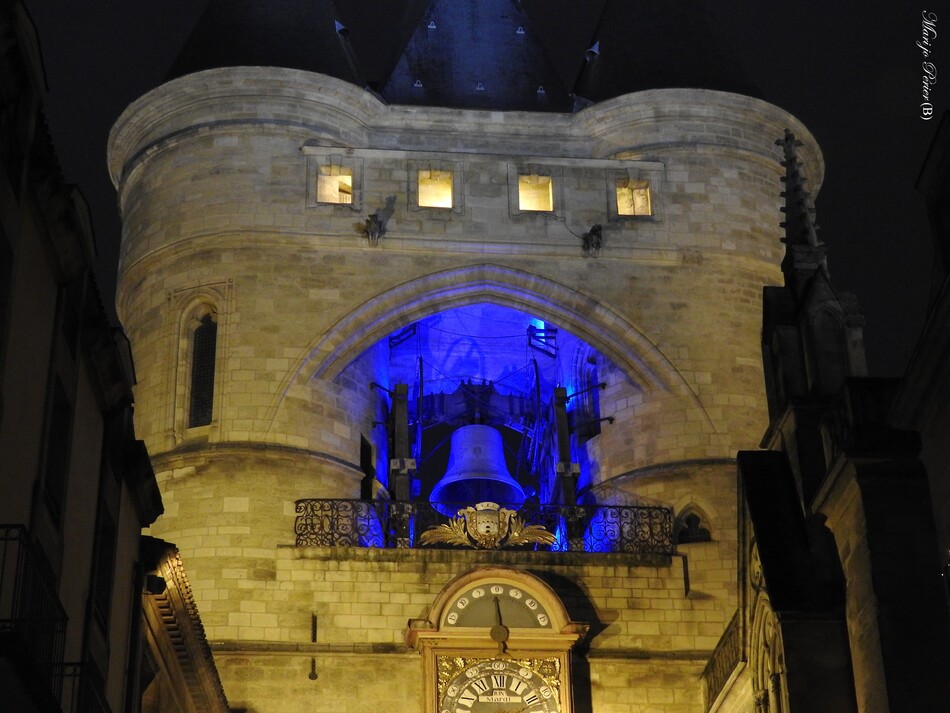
[(184, 631)]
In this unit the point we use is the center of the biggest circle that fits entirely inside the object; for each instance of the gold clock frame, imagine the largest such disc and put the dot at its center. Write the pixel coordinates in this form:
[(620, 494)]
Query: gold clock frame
[(449, 650), (449, 668)]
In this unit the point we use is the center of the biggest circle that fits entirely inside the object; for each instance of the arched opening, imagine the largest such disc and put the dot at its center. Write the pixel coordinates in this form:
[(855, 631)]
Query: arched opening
[(204, 340), (766, 647), (570, 309), (692, 525), (486, 345), (485, 364), (199, 351)]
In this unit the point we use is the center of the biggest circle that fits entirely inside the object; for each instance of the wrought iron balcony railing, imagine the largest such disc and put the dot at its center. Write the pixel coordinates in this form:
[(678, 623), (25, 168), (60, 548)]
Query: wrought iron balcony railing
[(397, 524), (30, 609)]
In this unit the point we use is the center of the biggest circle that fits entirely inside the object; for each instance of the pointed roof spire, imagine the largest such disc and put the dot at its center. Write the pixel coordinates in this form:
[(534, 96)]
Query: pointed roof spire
[(637, 46), (805, 254), (484, 54), (800, 228), (438, 52), (812, 335), (588, 78), (269, 33)]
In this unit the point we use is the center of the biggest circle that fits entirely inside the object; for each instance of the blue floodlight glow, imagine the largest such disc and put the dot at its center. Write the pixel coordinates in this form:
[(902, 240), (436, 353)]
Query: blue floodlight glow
[(482, 345), (560, 535), (601, 535)]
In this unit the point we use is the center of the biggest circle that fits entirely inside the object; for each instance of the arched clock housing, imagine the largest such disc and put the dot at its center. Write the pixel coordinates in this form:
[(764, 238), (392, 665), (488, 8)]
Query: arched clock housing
[(496, 640)]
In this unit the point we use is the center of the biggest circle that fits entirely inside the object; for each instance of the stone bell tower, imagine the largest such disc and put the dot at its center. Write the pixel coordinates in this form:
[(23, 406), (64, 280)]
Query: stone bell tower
[(321, 288)]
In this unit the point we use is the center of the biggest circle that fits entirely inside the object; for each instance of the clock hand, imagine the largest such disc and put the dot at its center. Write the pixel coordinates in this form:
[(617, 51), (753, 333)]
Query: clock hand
[(499, 632)]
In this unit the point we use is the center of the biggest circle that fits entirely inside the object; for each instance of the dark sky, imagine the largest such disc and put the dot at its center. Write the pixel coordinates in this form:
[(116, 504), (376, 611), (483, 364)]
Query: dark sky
[(853, 76)]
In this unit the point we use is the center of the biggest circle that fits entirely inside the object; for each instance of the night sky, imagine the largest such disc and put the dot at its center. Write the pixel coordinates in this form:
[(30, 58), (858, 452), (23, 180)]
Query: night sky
[(854, 77)]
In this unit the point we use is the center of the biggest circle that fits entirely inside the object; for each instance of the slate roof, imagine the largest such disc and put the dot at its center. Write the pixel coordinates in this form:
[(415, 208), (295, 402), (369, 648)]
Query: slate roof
[(539, 55)]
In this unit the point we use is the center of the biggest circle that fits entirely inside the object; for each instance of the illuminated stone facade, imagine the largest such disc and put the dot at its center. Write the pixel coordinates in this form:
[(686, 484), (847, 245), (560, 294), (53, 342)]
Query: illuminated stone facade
[(225, 220)]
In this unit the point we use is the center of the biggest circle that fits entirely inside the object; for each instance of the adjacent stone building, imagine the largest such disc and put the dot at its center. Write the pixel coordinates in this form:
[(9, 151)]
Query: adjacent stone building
[(842, 604)]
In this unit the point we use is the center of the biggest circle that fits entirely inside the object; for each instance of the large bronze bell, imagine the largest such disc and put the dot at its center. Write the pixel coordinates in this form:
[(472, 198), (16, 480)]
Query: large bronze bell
[(477, 473)]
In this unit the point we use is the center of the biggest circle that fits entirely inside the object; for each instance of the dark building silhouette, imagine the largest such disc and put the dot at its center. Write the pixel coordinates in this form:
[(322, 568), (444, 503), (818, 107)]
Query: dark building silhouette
[(93, 618)]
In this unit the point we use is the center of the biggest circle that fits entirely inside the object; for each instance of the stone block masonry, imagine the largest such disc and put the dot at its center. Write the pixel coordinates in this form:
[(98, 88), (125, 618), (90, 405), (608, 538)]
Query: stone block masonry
[(217, 180)]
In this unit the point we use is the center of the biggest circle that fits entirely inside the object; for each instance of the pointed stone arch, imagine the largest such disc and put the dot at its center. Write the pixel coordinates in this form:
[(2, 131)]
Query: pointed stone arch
[(571, 309), (767, 657), (188, 308), (589, 319), (692, 522)]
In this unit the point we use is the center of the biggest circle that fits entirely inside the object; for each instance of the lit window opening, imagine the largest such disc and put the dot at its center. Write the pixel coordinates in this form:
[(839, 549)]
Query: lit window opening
[(633, 197), (435, 189), (335, 185), (535, 193)]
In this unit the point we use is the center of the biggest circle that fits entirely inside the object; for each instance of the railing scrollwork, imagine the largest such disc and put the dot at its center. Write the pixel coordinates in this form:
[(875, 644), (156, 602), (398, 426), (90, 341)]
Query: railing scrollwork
[(642, 530)]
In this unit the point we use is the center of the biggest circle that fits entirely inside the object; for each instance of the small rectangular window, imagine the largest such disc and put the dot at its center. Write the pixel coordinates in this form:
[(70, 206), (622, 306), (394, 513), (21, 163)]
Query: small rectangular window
[(103, 564), (633, 197), (535, 193), (333, 180), (335, 185), (6, 289), (58, 449), (435, 189)]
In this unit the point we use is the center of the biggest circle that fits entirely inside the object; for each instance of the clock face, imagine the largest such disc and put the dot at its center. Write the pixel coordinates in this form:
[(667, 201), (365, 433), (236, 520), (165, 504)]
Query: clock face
[(486, 603), (502, 686)]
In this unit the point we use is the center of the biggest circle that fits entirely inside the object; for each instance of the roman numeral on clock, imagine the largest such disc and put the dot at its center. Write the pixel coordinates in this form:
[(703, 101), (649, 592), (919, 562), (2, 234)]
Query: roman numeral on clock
[(499, 680), (467, 699), (481, 685), (531, 699), (517, 686)]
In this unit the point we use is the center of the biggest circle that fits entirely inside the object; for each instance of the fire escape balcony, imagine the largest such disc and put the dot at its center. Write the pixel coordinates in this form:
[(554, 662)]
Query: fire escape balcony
[(634, 530)]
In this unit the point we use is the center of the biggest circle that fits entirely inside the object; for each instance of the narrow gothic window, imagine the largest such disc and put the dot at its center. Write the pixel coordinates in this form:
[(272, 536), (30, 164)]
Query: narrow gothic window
[(204, 343), (692, 530)]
